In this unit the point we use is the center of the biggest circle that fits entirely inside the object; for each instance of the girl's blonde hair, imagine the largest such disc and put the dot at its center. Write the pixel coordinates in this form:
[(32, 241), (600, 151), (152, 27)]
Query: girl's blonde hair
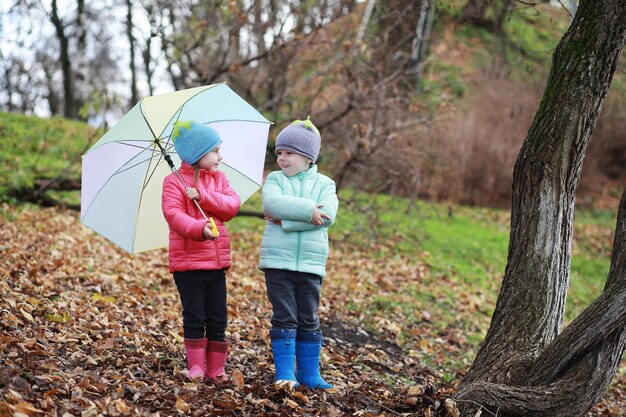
[(196, 173)]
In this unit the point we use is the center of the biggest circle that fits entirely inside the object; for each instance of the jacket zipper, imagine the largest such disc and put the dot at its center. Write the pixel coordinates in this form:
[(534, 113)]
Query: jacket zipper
[(217, 252), (299, 233)]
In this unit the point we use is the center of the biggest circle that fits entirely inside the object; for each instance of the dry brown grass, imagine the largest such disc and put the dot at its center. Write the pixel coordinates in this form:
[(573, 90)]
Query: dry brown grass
[(479, 145), (469, 155)]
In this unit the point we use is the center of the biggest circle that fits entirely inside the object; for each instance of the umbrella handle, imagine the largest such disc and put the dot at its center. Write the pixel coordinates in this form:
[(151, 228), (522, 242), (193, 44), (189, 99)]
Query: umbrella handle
[(214, 227), (214, 230)]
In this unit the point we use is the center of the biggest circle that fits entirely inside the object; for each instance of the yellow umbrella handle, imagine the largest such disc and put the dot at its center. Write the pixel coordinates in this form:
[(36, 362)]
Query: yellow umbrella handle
[(214, 227)]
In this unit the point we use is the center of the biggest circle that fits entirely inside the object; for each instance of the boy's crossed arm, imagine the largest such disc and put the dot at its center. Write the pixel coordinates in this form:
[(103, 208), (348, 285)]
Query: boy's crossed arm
[(321, 214), (278, 206)]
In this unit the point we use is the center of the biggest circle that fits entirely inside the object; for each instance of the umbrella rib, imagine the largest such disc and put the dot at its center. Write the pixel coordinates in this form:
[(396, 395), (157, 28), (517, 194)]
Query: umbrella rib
[(126, 143), (237, 120), (118, 171), (151, 174), (133, 166)]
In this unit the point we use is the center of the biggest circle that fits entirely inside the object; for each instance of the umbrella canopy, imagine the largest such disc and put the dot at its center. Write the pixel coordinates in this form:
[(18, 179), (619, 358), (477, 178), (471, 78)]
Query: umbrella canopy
[(122, 173)]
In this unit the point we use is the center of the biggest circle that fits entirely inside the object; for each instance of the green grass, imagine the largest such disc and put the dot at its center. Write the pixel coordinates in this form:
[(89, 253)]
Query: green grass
[(35, 148), (465, 249), (593, 238)]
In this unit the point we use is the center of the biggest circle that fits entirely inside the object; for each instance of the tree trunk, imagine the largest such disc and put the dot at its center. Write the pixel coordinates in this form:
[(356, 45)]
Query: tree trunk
[(502, 11), (54, 102), (70, 110), (525, 367), (259, 28), (134, 96), (146, 52), (81, 25), (147, 65), (423, 31)]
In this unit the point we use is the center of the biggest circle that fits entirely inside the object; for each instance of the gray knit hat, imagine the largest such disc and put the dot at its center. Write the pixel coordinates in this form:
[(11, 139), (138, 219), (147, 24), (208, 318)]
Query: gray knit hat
[(301, 137)]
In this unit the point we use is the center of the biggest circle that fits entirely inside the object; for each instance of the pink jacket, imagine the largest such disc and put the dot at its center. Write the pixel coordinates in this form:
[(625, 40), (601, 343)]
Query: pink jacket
[(187, 249)]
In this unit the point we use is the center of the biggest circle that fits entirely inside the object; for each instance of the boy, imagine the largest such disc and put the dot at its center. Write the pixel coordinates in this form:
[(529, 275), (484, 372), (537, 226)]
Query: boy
[(299, 204)]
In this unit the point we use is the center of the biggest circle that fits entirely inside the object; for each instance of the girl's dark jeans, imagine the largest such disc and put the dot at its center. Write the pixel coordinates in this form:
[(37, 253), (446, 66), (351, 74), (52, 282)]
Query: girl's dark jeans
[(203, 296)]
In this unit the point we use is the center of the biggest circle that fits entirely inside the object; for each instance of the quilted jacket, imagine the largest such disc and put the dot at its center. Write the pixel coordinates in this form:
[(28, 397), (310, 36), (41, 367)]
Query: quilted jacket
[(294, 243), (187, 249)]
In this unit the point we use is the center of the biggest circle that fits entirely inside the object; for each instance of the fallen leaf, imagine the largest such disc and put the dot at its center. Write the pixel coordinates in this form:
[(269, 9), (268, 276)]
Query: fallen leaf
[(301, 396), (26, 315), (411, 401), (107, 344), (27, 408), (13, 396), (121, 406), (182, 406), (450, 405), (238, 378), (414, 390), (92, 411), (290, 403)]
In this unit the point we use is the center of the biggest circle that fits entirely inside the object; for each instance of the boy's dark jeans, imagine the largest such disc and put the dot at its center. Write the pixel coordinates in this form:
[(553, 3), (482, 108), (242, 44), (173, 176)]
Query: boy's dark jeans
[(295, 298), (203, 296)]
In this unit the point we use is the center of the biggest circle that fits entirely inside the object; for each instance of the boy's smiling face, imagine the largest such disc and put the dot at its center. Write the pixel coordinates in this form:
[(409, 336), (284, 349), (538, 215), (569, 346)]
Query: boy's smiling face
[(292, 163)]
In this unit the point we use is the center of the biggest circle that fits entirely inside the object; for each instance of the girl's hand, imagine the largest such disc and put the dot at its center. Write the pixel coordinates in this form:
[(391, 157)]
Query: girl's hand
[(192, 193), (207, 232), (317, 218)]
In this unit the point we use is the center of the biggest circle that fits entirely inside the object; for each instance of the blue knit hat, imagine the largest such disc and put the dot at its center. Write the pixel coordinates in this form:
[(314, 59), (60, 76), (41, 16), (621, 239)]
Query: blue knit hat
[(193, 140), (301, 137)]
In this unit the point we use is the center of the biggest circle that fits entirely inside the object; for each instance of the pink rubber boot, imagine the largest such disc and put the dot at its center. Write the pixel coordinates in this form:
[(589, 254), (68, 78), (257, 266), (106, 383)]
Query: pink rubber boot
[(195, 349), (216, 353)]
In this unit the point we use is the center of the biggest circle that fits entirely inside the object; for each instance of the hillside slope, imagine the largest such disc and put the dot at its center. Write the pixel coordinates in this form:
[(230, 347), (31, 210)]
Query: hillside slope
[(451, 132)]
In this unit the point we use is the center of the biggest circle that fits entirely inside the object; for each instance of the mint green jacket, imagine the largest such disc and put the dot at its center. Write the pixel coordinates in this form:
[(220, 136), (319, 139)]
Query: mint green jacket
[(295, 244)]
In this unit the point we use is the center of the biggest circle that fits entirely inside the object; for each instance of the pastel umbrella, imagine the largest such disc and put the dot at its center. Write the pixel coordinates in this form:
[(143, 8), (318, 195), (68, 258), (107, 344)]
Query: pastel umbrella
[(122, 173)]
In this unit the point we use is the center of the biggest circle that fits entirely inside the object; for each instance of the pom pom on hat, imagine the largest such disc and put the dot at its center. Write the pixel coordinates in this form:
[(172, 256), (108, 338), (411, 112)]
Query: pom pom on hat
[(301, 137), (193, 140)]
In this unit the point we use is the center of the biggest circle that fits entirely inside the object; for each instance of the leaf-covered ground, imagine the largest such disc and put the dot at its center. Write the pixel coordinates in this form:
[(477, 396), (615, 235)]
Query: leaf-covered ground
[(88, 330)]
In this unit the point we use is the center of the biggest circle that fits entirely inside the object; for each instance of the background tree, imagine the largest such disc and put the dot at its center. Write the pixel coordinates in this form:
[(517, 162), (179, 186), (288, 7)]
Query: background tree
[(146, 51), (70, 110), (134, 96), (525, 365)]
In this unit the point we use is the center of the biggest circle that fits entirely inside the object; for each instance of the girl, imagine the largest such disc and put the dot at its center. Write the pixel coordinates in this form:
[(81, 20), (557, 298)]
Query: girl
[(300, 204), (198, 256)]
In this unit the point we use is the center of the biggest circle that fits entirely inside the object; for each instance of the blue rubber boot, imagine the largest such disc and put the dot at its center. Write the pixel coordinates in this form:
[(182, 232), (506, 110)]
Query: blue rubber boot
[(283, 351), (308, 349)]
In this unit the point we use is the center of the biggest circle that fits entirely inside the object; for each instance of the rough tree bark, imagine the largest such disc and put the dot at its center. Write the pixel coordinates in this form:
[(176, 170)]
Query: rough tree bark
[(526, 366)]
